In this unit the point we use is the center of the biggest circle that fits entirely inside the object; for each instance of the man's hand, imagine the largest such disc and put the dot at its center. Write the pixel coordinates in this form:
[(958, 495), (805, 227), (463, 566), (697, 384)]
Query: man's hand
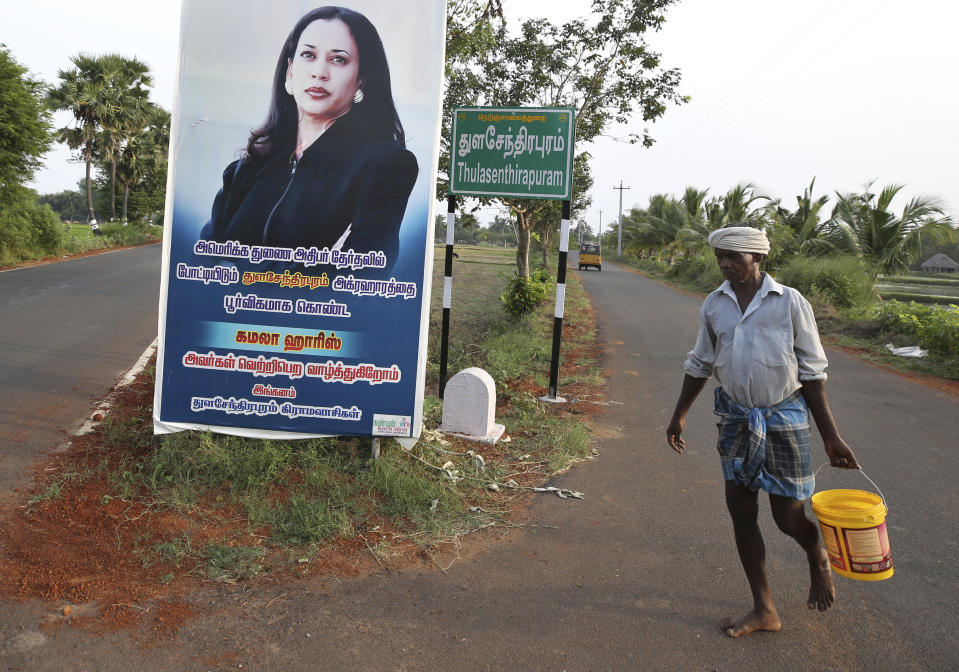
[(674, 433), (840, 454)]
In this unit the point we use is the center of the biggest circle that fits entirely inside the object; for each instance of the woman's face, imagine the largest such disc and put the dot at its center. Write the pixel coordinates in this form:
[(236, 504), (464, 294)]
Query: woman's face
[(324, 70)]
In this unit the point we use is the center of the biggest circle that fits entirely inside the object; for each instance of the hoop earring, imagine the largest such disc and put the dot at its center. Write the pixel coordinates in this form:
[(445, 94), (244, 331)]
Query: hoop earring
[(358, 96), (288, 86)]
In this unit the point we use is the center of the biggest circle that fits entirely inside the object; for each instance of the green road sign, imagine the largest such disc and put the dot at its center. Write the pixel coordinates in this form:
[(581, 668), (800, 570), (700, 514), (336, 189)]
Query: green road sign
[(514, 152)]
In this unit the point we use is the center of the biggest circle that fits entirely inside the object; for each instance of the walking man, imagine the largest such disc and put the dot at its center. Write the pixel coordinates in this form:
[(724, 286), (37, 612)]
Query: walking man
[(760, 340)]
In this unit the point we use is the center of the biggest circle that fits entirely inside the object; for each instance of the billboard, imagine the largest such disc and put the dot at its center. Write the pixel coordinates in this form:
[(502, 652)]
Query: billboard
[(512, 152), (298, 236)]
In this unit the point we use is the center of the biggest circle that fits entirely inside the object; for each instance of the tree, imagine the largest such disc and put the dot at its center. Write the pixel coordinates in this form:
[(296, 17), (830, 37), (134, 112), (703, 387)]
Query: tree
[(602, 68), (129, 112), (654, 230), (144, 154), (107, 98), (84, 92), (24, 123), (68, 204), (501, 224), (798, 230), (862, 224)]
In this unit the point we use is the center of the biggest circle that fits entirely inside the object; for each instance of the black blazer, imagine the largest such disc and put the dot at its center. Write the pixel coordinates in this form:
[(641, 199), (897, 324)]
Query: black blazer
[(346, 183)]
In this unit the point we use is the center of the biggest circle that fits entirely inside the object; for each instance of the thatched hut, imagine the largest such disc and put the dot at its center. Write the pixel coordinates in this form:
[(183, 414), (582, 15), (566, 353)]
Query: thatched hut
[(939, 263)]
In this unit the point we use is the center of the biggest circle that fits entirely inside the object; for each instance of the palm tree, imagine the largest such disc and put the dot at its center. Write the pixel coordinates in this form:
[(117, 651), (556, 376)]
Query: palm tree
[(654, 229), (107, 98), (129, 111), (863, 225), (738, 208), (798, 230), (696, 228), (84, 92), (143, 151)]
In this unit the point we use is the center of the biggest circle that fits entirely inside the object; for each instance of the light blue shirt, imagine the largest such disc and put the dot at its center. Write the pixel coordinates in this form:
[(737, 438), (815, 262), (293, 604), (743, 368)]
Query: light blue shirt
[(759, 356)]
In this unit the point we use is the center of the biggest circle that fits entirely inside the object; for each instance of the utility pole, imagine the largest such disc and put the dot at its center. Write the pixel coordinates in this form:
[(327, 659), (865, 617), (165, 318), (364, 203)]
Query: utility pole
[(619, 244), (600, 234)]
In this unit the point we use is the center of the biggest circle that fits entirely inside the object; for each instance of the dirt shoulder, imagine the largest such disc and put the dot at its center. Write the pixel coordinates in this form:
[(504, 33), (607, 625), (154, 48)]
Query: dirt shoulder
[(109, 554)]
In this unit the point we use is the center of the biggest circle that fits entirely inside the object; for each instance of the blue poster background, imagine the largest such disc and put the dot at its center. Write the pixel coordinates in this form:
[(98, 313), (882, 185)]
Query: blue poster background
[(241, 348)]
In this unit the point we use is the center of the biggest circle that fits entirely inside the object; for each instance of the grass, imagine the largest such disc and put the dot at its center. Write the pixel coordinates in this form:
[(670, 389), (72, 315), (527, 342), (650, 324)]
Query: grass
[(936, 289), (939, 279), (79, 239), (71, 474), (243, 507)]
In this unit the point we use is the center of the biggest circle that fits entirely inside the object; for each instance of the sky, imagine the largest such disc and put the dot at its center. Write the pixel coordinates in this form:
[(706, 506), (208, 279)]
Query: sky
[(843, 91)]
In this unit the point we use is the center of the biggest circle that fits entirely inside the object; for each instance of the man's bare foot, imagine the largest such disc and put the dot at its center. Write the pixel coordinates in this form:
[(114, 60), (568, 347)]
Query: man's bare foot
[(751, 622), (822, 591)]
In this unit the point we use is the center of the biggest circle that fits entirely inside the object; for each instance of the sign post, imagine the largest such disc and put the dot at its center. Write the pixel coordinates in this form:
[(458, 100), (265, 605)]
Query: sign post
[(512, 152), (519, 153)]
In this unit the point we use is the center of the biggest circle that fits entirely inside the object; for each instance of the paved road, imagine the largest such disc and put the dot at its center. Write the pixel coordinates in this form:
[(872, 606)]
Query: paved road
[(68, 332), (637, 576)]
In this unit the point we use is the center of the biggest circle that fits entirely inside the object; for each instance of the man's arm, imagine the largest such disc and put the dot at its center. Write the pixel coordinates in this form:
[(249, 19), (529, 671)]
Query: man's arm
[(840, 454), (691, 389)]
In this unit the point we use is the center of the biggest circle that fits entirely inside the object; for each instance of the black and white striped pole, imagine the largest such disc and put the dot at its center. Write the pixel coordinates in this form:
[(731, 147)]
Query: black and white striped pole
[(447, 290), (560, 306)]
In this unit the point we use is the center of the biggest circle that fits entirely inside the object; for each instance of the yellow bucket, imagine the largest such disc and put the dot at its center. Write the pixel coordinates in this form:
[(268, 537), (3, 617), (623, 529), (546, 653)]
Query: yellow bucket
[(853, 525)]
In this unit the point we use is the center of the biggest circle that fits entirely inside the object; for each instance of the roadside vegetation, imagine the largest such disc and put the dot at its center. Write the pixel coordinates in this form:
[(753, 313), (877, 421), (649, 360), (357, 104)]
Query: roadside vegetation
[(161, 511), (859, 265), (118, 134)]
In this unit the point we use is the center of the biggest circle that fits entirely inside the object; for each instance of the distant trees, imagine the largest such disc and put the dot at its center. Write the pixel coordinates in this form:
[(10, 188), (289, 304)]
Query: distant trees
[(861, 226), (70, 204), (113, 122), (599, 66)]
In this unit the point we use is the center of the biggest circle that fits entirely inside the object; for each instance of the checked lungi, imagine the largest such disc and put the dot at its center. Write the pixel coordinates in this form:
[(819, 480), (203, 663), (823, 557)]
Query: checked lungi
[(766, 448)]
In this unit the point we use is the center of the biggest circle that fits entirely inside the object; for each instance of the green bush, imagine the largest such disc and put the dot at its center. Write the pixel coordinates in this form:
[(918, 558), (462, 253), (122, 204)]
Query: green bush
[(132, 234), (700, 271), (522, 295), (935, 328), (28, 230), (842, 282)]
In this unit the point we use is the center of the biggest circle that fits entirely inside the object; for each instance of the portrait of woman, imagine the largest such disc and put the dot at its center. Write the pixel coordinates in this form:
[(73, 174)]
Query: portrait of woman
[(329, 166)]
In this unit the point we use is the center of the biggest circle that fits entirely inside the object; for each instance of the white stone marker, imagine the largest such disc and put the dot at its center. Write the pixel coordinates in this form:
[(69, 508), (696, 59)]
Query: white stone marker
[(469, 406)]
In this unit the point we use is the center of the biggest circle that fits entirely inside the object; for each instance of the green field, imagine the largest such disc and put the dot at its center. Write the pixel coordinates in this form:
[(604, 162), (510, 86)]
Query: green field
[(927, 288)]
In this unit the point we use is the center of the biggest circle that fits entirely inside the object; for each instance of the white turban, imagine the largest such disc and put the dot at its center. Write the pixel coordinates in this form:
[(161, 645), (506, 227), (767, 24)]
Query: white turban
[(740, 239)]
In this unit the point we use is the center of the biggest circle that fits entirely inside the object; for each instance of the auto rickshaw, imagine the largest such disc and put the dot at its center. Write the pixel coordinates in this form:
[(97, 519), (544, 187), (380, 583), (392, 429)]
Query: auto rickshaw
[(590, 254)]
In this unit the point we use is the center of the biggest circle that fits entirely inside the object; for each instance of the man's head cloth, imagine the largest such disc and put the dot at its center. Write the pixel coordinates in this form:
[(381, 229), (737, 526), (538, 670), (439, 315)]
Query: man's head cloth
[(740, 239)]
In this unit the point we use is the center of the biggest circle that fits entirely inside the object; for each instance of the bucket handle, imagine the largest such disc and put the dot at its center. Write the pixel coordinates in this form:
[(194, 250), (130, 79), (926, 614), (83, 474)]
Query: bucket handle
[(881, 496)]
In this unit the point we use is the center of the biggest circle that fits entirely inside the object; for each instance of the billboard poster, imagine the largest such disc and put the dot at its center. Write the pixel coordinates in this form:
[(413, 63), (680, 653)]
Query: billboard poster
[(524, 152), (298, 247)]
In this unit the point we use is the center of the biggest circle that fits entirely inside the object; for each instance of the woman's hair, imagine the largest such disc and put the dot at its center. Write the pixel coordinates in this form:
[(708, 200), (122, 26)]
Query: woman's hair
[(376, 114)]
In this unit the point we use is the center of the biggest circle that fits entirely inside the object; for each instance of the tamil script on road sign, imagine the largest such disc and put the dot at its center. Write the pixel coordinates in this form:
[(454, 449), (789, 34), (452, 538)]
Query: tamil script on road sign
[(524, 153)]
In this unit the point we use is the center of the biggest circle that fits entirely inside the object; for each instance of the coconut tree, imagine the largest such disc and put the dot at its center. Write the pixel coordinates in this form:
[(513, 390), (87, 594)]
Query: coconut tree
[(863, 224), (695, 230), (800, 230), (654, 229)]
